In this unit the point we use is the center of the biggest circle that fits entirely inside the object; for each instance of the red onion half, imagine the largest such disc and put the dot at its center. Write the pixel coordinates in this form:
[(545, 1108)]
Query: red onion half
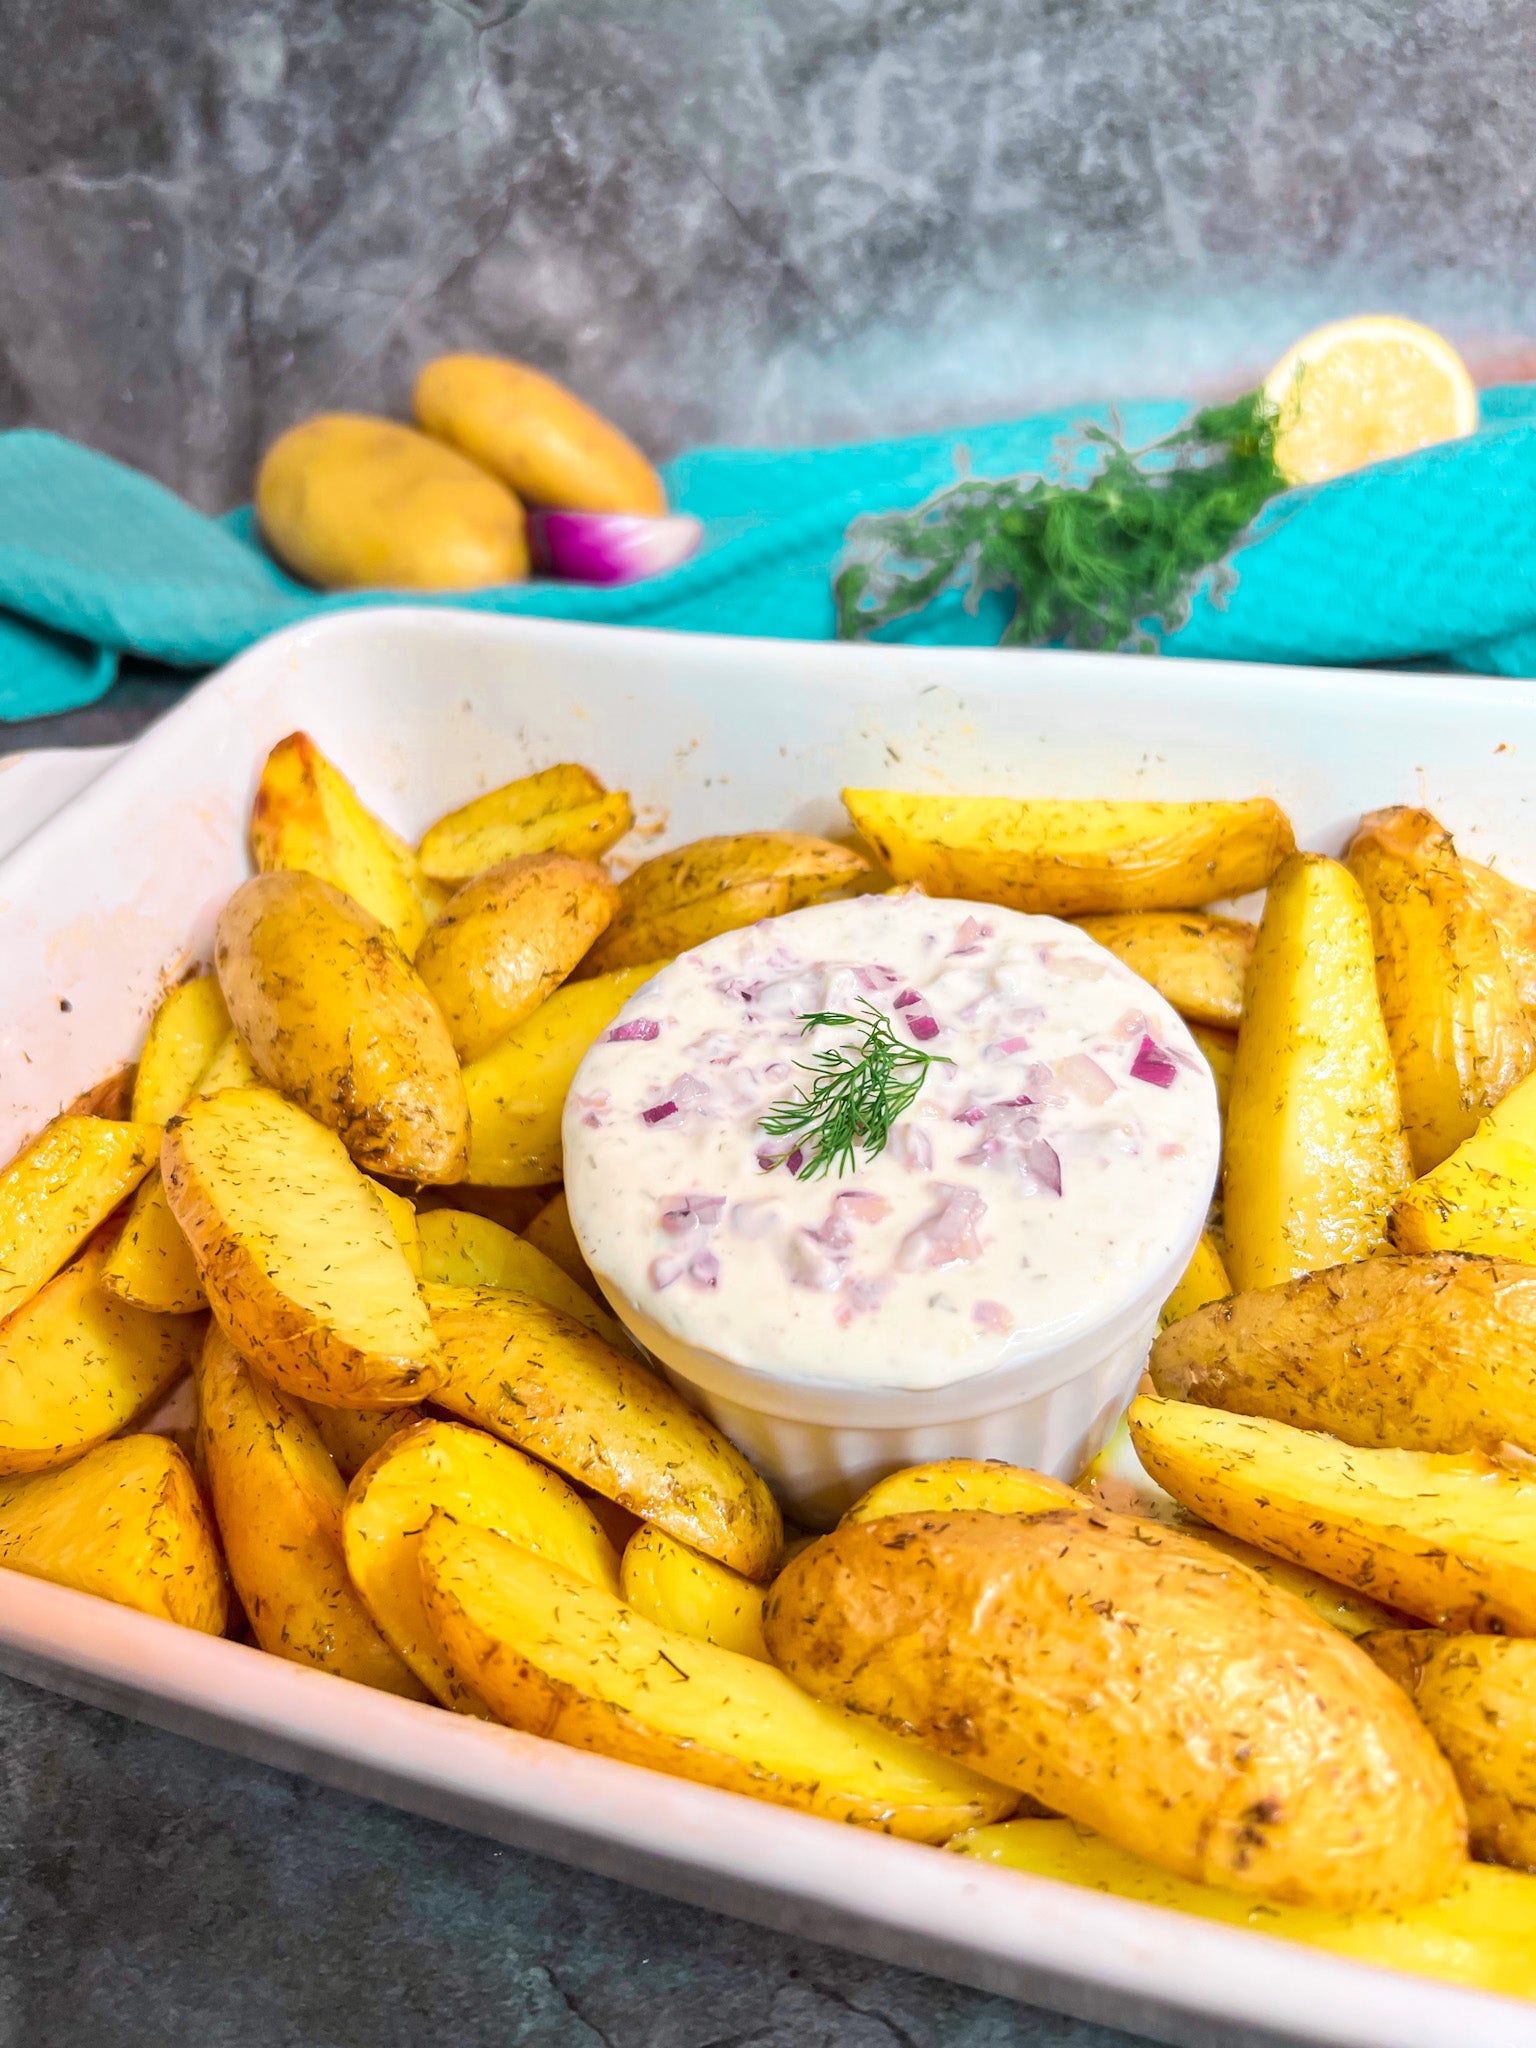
[(610, 547)]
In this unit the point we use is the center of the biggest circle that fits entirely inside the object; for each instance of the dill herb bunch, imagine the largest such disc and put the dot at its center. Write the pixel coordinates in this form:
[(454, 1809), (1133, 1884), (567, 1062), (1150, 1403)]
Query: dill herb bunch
[(859, 1091)]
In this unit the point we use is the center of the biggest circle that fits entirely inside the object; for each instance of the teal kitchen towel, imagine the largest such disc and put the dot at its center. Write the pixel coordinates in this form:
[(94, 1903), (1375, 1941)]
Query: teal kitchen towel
[(1427, 558)]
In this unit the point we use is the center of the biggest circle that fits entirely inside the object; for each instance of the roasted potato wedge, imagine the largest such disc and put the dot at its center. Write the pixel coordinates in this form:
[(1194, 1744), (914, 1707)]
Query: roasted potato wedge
[(1458, 1030), (1203, 1280), (1195, 960), (352, 1435), (507, 939), (1483, 1198), (1314, 1151), (184, 1034), (460, 1249), (58, 1189), (1068, 859), (336, 1018), (126, 1522), (1220, 1049), (296, 1252), (550, 1232), (1447, 1539), (564, 809), (950, 1483), (1512, 911), (682, 1589), (556, 1656), (1232, 1738), (401, 1212), (277, 1497), (479, 1482), (542, 1381)]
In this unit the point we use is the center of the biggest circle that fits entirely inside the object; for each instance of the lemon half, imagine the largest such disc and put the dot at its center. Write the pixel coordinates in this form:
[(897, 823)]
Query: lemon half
[(1362, 390)]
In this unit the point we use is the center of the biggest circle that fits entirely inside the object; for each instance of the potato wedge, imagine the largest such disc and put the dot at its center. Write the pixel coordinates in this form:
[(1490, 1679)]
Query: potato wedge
[(517, 1091), (1481, 1933), (1483, 1198), (1448, 1539), (681, 1589), (277, 1497), (507, 940), (296, 1252), (125, 1522), (679, 899), (460, 1249), (1203, 1280), (1220, 1049), (230, 1067), (1314, 1151), (1067, 859), (550, 1232), (564, 809), (353, 1435), (1431, 1352), (558, 1657), (336, 1018), (481, 1483), (1459, 1033), (1512, 911), (1231, 1739), (1195, 960), (184, 1034), (542, 1381), (401, 1212), (950, 1483), (58, 1189)]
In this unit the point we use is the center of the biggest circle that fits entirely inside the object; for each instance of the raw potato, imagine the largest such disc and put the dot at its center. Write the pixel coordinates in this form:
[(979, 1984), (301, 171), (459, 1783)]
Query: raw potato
[(1220, 1049), (350, 502), (58, 1189), (951, 1483), (77, 1365), (278, 1496), (1483, 1198), (1448, 1540), (550, 1232), (184, 1034), (125, 1522), (353, 1435), (308, 817), (336, 1018), (680, 899), (1203, 1280), (517, 1091), (564, 809), (557, 1657), (1512, 911), (297, 1255), (1231, 1737), (1482, 1933), (1196, 961), (1423, 1353), (1458, 1030), (681, 1589), (508, 939), (477, 1481), (541, 1380), (1314, 1151), (1067, 859), (460, 1249)]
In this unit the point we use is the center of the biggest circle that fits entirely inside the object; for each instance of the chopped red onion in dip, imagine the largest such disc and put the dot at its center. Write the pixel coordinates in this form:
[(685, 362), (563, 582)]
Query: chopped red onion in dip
[(635, 1031), (1153, 1064)]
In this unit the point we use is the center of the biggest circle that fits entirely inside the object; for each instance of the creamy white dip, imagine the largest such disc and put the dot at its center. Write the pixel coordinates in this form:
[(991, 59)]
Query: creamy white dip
[(1029, 1190)]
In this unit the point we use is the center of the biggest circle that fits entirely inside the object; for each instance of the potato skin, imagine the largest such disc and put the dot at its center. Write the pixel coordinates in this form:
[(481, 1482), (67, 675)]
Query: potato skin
[(1511, 910), (1139, 1683), (562, 809), (335, 1018), (1195, 960)]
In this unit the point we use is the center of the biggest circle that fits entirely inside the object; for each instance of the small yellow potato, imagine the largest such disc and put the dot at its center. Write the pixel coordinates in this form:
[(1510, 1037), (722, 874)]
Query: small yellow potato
[(542, 1381), (401, 1212), (460, 1249), (1196, 961), (184, 1034), (550, 1232), (1220, 1049), (1067, 859), (1458, 1030), (125, 1522), (296, 1252), (58, 1189), (506, 941), (1483, 1198), (1203, 1280), (277, 1498), (950, 1483), (558, 1657), (1512, 912), (1425, 1352), (307, 817), (564, 809), (1130, 1678), (680, 899), (1447, 1539), (1481, 1933), (352, 1435), (681, 1589), (350, 502), (535, 435), (517, 1091), (479, 1482), (336, 1018), (1314, 1151)]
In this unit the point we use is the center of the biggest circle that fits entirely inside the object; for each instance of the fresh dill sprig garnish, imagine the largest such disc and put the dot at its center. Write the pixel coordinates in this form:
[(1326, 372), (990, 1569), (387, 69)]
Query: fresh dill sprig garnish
[(858, 1093)]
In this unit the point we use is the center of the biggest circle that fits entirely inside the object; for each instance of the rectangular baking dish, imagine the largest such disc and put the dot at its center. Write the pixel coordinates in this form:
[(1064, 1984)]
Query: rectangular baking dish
[(111, 896)]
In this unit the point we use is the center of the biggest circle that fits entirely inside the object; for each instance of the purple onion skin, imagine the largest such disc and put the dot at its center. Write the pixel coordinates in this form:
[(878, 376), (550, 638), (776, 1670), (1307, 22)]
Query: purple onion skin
[(611, 547)]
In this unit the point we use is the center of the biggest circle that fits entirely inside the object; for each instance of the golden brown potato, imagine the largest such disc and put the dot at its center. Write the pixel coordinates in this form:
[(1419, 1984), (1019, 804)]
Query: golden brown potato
[(1203, 1280), (950, 1483), (58, 1189), (679, 899), (184, 1034), (550, 1232), (1231, 1739), (352, 1435), (401, 1212), (564, 809), (542, 1381), (508, 939), (1068, 859), (558, 1657), (1426, 1353), (125, 1522), (1512, 911), (463, 1250), (1458, 1030), (1446, 1539), (682, 1589), (296, 1253), (1220, 1049), (1314, 1150), (1194, 960), (336, 1018), (1483, 1198)]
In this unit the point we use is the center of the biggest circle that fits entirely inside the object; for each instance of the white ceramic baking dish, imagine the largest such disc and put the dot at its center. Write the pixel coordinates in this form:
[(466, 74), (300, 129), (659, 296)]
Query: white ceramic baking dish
[(102, 902)]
